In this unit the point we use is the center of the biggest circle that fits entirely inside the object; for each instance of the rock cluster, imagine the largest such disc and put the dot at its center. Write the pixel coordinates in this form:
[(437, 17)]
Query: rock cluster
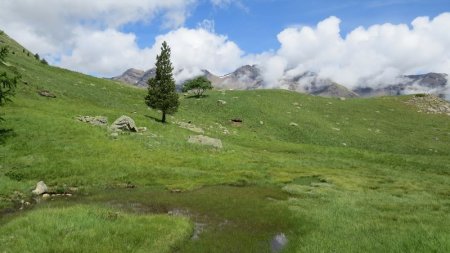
[(94, 120), (430, 104)]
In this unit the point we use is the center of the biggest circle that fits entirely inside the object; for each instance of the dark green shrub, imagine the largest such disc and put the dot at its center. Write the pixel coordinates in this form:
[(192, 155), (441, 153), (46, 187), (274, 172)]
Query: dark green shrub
[(15, 175)]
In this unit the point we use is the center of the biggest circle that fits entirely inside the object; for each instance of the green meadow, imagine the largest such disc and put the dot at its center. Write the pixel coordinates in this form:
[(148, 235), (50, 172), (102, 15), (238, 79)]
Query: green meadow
[(355, 175)]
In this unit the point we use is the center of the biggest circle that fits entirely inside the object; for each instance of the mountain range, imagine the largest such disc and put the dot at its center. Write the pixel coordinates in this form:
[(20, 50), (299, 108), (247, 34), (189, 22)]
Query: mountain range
[(250, 77)]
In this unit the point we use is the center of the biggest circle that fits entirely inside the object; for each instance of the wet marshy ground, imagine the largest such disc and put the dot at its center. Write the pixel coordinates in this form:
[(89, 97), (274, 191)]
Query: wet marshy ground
[(226, 219)]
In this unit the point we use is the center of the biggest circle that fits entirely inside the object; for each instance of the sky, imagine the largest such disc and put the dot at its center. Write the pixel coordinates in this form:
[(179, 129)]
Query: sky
[(349, 41)]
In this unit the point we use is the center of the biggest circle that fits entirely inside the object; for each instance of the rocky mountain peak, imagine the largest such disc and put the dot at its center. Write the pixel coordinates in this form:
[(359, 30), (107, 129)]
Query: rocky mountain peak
[(250, 77)]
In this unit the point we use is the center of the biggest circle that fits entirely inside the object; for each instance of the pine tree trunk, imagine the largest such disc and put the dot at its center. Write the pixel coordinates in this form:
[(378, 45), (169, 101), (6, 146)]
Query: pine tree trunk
[(163, 117)]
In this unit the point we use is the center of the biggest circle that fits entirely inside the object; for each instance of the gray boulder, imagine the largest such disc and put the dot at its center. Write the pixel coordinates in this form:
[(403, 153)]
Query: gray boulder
[(205, 140), (124, 123), (41, 188)]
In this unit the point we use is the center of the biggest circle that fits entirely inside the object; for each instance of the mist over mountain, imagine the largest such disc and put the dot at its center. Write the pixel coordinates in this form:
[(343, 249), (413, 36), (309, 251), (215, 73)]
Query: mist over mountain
[(249, 77)]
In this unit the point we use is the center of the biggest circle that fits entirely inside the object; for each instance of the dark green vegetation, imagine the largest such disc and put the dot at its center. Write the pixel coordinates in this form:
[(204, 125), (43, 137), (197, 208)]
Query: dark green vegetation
[(8, 78), (361, 175), (198, 86), (161, 89)]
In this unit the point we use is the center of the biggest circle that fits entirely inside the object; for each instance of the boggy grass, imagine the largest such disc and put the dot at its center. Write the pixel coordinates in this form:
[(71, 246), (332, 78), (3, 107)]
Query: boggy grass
[(91, 229), (235, 219)]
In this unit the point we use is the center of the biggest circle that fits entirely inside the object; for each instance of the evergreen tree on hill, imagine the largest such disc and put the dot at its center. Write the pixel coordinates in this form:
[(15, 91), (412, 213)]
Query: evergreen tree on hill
[(162, 93), (8, 79)]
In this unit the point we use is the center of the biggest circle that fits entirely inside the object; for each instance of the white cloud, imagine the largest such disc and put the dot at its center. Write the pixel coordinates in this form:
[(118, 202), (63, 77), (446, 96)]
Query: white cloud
[(110, 52), (104, 53), (375, 56), (54, 28), (85, 35), (197, 49)]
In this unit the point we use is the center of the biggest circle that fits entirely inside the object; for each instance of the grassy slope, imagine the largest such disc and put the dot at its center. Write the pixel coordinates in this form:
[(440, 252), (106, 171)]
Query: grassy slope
[(387, 167)]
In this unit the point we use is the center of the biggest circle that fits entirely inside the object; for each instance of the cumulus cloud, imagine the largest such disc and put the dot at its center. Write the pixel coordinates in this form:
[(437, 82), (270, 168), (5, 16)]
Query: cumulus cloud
[(56, 28), (197, 49), (85, 36), (371, 56), (110, 52)]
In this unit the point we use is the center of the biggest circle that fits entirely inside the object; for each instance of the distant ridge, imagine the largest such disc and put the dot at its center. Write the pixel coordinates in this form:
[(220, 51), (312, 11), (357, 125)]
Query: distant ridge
[(250, 77)]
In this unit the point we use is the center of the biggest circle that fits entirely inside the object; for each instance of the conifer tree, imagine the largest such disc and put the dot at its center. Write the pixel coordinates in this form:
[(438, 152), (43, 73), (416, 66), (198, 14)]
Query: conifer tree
[(8, 82), (162, 93)]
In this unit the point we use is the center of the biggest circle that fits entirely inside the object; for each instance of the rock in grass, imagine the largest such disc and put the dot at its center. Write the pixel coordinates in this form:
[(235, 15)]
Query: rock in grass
[(46, 93), (41, 188), (96, 120), (124, 123), (142, 129), (205, 140)]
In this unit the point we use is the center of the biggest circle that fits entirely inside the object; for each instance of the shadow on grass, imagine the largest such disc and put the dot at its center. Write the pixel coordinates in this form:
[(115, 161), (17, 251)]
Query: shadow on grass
[(195, 96), (154, 118), (6, 133)]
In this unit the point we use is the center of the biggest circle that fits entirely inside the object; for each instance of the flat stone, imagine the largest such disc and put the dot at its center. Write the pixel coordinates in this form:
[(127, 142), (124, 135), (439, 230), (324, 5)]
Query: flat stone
[(205, 140), (46, 93), (94, 120), (142, 129)]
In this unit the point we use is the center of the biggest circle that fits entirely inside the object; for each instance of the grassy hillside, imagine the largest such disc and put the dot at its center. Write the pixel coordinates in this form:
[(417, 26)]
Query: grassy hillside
[(368, 175)]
